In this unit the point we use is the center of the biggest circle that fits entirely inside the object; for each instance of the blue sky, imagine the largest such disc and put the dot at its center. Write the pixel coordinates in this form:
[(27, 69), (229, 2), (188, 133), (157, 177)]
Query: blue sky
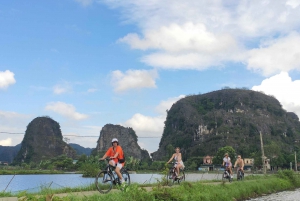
[(87, 63)]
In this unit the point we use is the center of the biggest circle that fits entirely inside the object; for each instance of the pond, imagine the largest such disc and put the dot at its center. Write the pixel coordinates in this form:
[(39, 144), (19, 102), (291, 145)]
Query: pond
[(34, 183)]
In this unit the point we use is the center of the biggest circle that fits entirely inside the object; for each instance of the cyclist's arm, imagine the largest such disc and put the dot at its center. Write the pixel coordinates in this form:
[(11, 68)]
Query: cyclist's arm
[(116, 155), (171, 159), (242, 164), (103, 157)]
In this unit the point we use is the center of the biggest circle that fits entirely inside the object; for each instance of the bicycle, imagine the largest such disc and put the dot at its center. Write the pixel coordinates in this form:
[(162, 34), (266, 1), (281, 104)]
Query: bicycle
[(240, 174), (106, 178), (226, 175), (172, 177)]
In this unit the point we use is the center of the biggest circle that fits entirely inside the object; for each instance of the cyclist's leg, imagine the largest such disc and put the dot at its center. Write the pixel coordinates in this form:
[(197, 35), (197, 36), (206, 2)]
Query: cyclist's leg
[(118, 171), (178, 167), (230, 170)]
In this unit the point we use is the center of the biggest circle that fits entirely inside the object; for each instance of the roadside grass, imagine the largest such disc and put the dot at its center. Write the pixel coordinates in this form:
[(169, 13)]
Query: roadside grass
[(251, 186)]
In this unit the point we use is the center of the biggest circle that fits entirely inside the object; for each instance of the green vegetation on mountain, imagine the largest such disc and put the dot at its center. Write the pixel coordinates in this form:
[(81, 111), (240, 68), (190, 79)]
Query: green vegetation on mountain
[(201, 124), (43, 140)]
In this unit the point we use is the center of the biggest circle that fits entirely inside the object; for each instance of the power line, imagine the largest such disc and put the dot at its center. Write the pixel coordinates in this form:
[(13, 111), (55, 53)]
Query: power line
[(9, 133), (13, 133)]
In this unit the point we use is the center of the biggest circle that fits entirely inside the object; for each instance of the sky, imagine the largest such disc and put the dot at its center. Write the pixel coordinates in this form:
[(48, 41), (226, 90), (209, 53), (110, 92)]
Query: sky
[(88, 63)]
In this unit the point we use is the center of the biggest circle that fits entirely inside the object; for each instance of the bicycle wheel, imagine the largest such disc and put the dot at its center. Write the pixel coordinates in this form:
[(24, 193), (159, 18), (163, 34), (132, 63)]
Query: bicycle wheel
[(126, 177), (241, 175), (224, 176), (169, 176), (104, 181), (182, 176), (238, 175)]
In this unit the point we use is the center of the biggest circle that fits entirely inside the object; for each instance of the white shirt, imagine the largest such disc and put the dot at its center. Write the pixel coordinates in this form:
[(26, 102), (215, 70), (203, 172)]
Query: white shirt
[(227, 161)]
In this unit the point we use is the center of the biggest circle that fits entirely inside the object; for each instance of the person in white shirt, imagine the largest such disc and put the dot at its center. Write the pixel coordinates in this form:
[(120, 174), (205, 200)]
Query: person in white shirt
[(227, 163)]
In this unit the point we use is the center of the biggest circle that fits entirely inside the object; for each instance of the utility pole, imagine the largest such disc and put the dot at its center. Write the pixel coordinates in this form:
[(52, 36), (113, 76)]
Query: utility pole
[(262, 153), (295, 162)]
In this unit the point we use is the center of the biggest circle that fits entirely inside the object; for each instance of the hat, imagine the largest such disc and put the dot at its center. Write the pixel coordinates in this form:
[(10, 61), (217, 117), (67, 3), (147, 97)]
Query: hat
[(226, 154), (114, 140)]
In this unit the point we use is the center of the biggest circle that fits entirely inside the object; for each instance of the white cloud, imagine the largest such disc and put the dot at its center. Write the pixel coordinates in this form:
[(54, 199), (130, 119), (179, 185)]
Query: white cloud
[(62, 88), (92, 90), (66, 110), (198, 35), (293, 3), (188, 45), (283, 88), (165, 105), (13, 126), (147, 126), (6, 142), (282, 54), (88, 134), (6, 79), (133, 79), (85, 2)]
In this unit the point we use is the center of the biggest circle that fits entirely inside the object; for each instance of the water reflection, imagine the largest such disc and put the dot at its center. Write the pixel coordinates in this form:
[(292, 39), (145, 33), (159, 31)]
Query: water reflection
[(34, 183)]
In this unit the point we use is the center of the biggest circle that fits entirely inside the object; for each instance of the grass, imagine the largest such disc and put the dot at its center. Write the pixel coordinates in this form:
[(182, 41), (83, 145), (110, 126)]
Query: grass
[(251, 186)]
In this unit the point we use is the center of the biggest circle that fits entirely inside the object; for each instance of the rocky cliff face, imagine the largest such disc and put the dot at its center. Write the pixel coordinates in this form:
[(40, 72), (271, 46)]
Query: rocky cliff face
[(127, 140), (201, 124), (43, 140)]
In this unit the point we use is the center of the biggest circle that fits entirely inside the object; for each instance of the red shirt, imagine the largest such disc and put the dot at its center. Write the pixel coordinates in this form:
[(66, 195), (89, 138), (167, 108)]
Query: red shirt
[(111, 153)]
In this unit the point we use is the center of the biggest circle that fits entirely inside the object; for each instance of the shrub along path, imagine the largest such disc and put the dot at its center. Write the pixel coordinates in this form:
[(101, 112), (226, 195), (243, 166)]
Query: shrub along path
[(252, 186)]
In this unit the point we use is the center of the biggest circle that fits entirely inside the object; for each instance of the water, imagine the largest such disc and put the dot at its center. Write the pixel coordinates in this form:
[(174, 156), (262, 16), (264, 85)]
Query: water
[(34, 183)]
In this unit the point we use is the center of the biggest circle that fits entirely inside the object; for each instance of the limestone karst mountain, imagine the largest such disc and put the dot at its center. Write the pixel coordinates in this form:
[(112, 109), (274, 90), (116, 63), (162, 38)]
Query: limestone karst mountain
[(127, 139), (201, 124), (43, 140)]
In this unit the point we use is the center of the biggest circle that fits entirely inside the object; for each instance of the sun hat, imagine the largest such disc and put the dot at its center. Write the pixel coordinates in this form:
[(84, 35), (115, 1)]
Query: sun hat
[(114, 140)]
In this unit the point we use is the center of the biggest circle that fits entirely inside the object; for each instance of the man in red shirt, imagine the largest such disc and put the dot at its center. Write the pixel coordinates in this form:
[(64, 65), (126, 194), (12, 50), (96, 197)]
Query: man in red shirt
[(115, 153)]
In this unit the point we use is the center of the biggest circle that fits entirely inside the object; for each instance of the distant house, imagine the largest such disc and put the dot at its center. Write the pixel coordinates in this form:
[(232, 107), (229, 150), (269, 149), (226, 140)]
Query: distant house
[(248, 163), (207, 164), (207, 160), (267, 164), (3, 163)]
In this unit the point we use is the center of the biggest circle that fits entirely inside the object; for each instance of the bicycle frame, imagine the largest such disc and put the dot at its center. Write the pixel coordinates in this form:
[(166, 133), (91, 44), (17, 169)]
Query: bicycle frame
[(109, 168)]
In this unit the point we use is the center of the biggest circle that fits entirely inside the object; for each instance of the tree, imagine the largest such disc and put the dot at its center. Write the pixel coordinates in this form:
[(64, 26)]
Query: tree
[(218, 158)]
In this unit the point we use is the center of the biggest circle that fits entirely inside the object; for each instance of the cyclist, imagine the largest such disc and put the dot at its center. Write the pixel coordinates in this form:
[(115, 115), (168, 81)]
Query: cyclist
[(178, 161), (115, 153), (228, 164), (240, 163)]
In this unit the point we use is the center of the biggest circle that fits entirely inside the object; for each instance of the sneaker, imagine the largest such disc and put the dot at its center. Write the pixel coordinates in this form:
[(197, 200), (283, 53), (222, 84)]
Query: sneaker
[(123, 183)]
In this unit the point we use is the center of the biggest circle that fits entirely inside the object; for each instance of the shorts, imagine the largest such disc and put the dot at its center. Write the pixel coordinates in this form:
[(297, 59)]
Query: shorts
[(181, 163), (119, 165)]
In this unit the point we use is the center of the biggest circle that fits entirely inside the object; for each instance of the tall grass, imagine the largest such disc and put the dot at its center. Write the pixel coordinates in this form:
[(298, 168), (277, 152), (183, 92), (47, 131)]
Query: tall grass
[(252, 186)]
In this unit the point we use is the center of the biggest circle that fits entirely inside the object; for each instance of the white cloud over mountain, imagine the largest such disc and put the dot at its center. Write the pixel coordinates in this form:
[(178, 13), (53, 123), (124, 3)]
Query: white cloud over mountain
[(276, 55), (151, 127), (133, 79), (283, 88), (66, 110)]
